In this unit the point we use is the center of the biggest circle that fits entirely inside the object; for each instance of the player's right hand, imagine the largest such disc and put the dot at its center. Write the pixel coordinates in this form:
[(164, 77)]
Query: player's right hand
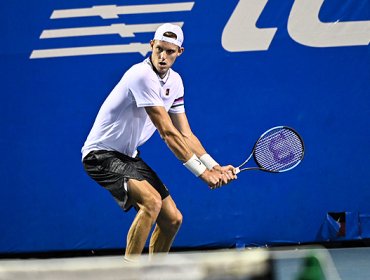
[(214, 179)]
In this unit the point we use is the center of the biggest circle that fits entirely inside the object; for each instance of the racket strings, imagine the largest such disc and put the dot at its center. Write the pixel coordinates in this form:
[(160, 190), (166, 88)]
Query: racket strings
[(279, 150)]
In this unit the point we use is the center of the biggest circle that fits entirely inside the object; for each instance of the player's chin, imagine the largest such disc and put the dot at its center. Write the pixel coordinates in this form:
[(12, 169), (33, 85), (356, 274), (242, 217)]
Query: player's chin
[(162, 70)]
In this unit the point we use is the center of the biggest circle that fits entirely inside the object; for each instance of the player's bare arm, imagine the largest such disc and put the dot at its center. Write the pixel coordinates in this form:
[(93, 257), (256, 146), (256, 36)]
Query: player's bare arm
[(177, 144), (180, 121)]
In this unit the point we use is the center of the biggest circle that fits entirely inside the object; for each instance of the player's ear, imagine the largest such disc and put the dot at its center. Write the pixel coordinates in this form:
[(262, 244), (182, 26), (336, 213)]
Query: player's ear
[(151, 43), (181, 50)]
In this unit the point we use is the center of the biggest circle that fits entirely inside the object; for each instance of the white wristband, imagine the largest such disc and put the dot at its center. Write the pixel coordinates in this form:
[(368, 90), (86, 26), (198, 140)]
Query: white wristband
[(195, 166), (208, 161)]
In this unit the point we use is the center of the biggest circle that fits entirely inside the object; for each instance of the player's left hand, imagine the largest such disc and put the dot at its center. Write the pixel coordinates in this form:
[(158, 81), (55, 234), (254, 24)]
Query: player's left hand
[(228, 174)]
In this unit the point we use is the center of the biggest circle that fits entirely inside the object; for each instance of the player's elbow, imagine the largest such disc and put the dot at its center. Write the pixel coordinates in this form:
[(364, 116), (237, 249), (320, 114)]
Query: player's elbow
[(167, 134), (172, 138), (187, 134)]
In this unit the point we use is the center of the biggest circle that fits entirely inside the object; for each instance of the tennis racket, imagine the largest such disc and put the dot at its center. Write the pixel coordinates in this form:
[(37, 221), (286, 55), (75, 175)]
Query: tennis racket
[(279, 149)]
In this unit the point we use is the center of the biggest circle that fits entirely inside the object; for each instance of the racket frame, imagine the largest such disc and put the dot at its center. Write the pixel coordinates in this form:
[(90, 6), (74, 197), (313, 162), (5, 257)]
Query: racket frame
[(259, 167)]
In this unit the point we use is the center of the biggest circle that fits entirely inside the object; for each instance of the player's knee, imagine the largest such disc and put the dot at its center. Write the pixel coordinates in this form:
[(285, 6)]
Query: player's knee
[(176, 221), (153, 205)]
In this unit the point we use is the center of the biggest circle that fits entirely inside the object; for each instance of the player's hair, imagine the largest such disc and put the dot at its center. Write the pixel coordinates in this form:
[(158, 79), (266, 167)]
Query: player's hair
[(170, 35)]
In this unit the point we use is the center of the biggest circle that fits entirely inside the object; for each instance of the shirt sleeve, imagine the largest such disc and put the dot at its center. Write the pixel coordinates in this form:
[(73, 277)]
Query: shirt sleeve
[(178, 104), (146, 91)]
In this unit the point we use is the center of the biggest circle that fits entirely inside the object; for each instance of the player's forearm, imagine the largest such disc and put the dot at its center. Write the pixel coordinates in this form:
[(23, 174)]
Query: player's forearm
[(177, 144), (198, 149), (194, 144), (169, 133)]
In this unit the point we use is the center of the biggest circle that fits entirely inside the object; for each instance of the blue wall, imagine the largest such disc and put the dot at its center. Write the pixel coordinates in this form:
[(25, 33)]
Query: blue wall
[(233, 93)]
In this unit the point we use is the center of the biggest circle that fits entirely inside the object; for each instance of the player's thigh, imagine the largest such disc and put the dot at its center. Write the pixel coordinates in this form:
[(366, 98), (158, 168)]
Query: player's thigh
[(142, 193)]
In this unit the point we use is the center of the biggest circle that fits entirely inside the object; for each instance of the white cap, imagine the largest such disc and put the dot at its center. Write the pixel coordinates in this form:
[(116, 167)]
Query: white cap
[(168, 27)]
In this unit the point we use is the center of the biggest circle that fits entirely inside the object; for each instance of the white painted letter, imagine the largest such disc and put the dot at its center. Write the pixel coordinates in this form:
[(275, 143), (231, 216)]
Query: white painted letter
[(241, 34), (305, 27)]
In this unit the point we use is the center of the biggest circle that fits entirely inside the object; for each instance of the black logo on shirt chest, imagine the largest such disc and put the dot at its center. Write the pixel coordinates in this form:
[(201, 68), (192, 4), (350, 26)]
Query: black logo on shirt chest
[(167, 93)]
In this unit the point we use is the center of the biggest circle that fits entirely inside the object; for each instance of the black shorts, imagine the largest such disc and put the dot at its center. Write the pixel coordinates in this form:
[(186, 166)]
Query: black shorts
[(112, 170)]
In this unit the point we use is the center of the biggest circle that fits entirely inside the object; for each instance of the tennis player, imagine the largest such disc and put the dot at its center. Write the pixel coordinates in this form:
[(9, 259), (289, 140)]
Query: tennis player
[(149, 97)]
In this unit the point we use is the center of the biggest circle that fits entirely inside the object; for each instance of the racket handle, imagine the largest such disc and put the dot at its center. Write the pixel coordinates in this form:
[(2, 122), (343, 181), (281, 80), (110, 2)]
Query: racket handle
[(237, 170)]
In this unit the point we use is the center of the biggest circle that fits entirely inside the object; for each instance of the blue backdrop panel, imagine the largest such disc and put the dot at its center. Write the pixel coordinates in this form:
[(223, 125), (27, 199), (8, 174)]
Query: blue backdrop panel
[(248, 65)]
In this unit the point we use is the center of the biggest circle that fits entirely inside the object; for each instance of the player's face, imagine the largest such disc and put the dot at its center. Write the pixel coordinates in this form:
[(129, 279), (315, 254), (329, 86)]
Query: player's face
[(164, 55)]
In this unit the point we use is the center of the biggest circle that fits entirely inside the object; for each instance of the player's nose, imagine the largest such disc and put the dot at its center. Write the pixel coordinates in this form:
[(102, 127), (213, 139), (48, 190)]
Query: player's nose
[(162, 55)]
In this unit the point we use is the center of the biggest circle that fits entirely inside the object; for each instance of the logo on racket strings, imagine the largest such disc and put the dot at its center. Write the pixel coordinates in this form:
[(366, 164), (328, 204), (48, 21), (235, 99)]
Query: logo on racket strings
[(281, 150)]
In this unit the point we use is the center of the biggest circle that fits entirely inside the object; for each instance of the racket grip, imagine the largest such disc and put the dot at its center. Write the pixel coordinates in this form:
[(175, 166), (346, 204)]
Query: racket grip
[(237, 170)]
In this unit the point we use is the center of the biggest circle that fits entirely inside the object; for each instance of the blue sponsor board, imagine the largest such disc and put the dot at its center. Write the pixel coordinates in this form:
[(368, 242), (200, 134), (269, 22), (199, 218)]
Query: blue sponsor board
[(248, 65)]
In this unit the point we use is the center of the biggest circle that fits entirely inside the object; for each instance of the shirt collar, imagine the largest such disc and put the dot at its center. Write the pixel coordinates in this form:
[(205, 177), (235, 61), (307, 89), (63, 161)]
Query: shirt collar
[(165, 78)]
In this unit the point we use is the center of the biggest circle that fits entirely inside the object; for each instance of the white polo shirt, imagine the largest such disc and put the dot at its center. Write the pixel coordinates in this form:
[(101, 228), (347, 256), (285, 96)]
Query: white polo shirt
[(122, 123)]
